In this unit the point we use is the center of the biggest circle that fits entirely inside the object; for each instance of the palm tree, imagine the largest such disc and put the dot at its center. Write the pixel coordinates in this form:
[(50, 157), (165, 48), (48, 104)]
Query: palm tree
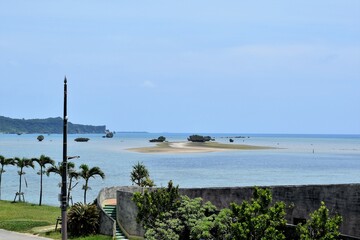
[(87, 173), (22, 163), (4, 161), (140, 176), (71, 172), (42, 161)]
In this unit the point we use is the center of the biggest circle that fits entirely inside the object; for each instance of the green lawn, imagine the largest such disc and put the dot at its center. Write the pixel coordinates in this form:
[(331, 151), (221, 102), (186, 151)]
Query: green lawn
[(23, 217)]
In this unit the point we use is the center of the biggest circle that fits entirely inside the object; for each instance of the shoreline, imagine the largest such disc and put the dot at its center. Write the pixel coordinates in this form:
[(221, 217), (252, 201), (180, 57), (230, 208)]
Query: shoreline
[(195, 147)]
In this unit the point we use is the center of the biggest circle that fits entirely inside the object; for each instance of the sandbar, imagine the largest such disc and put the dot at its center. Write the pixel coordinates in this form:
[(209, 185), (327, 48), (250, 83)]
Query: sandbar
[(194, 147)]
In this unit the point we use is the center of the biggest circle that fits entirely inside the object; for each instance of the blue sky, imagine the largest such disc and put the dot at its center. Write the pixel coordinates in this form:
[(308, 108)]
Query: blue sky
[(185, 66)]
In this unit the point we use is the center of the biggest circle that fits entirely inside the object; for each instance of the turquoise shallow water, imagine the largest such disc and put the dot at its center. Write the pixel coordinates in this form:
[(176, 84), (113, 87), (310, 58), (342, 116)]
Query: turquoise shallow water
[(298, 159)]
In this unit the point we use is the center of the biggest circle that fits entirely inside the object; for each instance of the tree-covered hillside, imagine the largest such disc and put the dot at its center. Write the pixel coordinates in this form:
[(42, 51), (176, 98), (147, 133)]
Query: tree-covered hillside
[(48, 125)]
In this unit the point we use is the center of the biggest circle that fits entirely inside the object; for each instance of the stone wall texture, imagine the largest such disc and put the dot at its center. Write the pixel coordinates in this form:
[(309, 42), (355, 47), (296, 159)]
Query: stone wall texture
[(343, 199), (107, 224), (127, 211)]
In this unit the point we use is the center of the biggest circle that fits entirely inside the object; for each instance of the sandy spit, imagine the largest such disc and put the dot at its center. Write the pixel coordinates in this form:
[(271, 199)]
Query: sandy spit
[(190, 147)]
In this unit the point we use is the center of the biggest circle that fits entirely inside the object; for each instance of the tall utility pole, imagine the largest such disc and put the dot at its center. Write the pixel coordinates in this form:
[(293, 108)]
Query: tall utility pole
[(64, 172)]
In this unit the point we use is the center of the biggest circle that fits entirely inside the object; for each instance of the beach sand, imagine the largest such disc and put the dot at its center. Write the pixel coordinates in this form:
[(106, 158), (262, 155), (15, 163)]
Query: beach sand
[(192, 147)]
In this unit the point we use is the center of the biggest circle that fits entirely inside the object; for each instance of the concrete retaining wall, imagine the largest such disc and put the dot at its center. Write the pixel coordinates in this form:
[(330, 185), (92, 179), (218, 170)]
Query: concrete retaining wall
[(340, 198), (107, 224), (127, 211)]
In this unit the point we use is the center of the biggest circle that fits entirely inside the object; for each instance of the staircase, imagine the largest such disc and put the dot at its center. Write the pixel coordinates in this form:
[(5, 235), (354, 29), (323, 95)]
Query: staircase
[(111, 211)]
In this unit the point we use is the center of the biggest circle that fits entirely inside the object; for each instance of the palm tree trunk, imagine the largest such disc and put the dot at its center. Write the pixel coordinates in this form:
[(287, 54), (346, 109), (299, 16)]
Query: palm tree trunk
[(20, 186), (69, 189), (41, 180), (86, 187), (0, 181), (1, 172)]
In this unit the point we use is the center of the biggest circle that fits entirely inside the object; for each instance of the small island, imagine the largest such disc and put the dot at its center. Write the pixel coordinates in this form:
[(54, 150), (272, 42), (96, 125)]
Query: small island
[(200, 138), (108, 134), (40, 138), (81, 139), (159, 139)]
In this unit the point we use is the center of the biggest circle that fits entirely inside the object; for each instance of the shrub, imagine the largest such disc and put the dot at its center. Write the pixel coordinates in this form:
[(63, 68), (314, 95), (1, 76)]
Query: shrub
[(83, 219), (166, 216), (320, 226), (152, 205)]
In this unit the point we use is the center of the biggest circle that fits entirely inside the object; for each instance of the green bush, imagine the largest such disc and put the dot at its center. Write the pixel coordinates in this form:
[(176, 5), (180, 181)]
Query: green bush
[(320, 226), (166, 215), (83, 220), (152, 205)]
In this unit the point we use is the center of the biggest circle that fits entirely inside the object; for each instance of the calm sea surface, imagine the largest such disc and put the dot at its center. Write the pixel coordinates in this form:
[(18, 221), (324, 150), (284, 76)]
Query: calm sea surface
[(298, 159)]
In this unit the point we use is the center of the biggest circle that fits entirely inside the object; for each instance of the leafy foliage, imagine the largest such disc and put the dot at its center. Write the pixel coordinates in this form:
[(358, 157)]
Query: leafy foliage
[(168, 227), (43, 161), (22, 163), (254, 219), (180, 223), (320, 226), (187, 218), (257, 219), (86, 173), (140, 176), (4, 162), (153, 204), (83, 219), (72, 174)]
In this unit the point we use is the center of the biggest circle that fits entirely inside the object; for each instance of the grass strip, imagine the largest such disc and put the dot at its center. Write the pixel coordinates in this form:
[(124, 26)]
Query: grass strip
[(25, 217), (22, 217), (24, 225)]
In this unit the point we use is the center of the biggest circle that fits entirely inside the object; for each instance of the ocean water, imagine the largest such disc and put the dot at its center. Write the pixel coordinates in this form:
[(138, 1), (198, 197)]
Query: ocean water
[(297, 159)]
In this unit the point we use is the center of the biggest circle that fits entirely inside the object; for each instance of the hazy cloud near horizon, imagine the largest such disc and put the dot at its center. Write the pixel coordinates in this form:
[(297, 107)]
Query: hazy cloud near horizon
[(167, 66)]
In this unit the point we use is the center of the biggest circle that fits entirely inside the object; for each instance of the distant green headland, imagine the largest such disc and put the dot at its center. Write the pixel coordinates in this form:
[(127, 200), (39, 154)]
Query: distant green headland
[(47, 126)]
